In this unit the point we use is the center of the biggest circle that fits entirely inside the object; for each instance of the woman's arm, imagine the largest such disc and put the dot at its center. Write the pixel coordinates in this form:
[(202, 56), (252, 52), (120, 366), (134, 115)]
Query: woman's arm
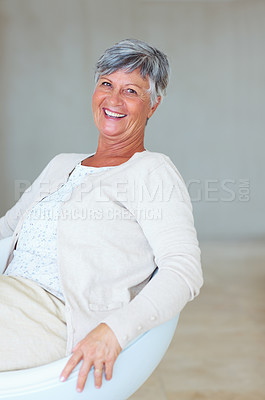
[(173, 240)]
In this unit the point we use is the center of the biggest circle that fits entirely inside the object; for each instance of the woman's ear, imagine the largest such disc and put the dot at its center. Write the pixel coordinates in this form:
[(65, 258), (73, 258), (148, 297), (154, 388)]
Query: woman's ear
[(151, 112)]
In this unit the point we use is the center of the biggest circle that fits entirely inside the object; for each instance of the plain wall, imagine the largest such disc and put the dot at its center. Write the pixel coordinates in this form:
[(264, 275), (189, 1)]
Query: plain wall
[(211, 123)]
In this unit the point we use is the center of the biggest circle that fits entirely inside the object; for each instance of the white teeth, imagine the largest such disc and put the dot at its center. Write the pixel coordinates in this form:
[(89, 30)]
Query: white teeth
[(112, 114)]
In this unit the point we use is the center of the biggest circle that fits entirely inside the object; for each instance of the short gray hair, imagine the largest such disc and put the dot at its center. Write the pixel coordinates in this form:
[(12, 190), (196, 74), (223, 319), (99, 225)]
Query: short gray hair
[(130, 54)]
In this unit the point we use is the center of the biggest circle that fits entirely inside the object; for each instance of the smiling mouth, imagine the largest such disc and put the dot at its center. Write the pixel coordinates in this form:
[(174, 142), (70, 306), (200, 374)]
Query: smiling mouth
[(112, 114)]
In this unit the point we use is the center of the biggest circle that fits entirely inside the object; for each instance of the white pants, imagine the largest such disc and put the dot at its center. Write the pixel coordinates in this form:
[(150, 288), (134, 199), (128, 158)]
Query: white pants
[(32, 325)]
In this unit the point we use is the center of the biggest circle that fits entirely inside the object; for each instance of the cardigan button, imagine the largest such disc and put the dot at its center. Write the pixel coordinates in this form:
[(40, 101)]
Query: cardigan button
[(126, 337), (139, 327), (153, 317)]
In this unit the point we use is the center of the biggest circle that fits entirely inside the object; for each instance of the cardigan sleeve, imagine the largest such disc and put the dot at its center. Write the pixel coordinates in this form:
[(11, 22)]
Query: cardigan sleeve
[(10, 220), (173, 240)]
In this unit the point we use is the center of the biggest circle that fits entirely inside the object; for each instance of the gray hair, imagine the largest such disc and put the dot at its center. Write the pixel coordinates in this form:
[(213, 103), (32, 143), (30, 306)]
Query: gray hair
[(130, 54)]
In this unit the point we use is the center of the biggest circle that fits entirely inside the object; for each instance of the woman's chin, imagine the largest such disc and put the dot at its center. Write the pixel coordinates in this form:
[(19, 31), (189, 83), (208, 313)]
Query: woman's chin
[(110, 131)]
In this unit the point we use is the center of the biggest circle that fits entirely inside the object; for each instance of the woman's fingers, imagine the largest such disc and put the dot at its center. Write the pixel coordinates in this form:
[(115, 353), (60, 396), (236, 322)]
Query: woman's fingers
[(83, 374), (109, 369), (71, 364), (98, 373)]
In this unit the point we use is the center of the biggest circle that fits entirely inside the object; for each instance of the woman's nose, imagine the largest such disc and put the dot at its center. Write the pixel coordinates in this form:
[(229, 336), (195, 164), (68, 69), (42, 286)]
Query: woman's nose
[(115, 98)]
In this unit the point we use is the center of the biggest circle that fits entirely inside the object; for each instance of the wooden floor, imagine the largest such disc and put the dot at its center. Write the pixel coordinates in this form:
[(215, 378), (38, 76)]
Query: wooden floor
[(218, 351)]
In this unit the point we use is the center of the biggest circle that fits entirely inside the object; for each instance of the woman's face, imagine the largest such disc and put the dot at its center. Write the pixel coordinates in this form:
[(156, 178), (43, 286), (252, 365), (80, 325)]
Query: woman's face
[(121, 104)]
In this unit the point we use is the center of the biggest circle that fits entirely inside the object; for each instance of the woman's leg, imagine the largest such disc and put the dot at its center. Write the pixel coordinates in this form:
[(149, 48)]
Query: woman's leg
[(32, 325)]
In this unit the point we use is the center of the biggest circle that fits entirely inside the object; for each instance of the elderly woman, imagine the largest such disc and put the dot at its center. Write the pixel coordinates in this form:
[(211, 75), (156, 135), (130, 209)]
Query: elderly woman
[(92, 229)]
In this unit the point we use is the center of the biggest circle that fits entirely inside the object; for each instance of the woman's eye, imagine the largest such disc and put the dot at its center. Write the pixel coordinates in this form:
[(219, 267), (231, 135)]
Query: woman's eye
[(105, 84), (131, 91)]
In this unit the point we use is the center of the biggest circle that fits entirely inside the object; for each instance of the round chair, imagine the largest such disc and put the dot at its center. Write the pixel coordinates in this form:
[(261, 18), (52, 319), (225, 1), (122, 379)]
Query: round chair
[(131, 369)]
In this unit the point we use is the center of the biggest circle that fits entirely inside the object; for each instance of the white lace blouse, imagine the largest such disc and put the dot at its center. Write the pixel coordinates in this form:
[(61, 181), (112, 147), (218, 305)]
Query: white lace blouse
[(35, 256)]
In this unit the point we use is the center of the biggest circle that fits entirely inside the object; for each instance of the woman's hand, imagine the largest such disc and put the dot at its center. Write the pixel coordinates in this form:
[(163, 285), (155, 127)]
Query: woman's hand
[(100, 347)]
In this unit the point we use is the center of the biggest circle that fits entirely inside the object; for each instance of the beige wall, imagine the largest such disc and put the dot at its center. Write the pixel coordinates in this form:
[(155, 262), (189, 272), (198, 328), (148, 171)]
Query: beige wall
[(211, 124)]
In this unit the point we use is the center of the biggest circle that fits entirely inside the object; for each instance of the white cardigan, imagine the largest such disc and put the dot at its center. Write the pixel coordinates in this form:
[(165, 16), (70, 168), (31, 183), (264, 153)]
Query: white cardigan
[(114, 230)]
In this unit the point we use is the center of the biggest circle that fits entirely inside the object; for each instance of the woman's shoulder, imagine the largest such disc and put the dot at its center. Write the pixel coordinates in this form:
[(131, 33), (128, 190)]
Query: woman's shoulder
[(153, 160), (68, 157), (64, 161), (154, 166), (60, 163)]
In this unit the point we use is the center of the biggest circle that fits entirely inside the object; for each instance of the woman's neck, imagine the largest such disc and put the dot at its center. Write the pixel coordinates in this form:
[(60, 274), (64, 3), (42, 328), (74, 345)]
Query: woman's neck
[(112, 155)]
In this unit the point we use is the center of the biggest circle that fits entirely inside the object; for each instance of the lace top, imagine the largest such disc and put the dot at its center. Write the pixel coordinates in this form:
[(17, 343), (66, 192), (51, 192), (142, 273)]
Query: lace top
[(35, 256)]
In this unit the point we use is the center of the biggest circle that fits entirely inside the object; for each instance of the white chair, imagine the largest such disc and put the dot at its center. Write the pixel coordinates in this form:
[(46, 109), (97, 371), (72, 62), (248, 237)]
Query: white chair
[(133, 366)]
